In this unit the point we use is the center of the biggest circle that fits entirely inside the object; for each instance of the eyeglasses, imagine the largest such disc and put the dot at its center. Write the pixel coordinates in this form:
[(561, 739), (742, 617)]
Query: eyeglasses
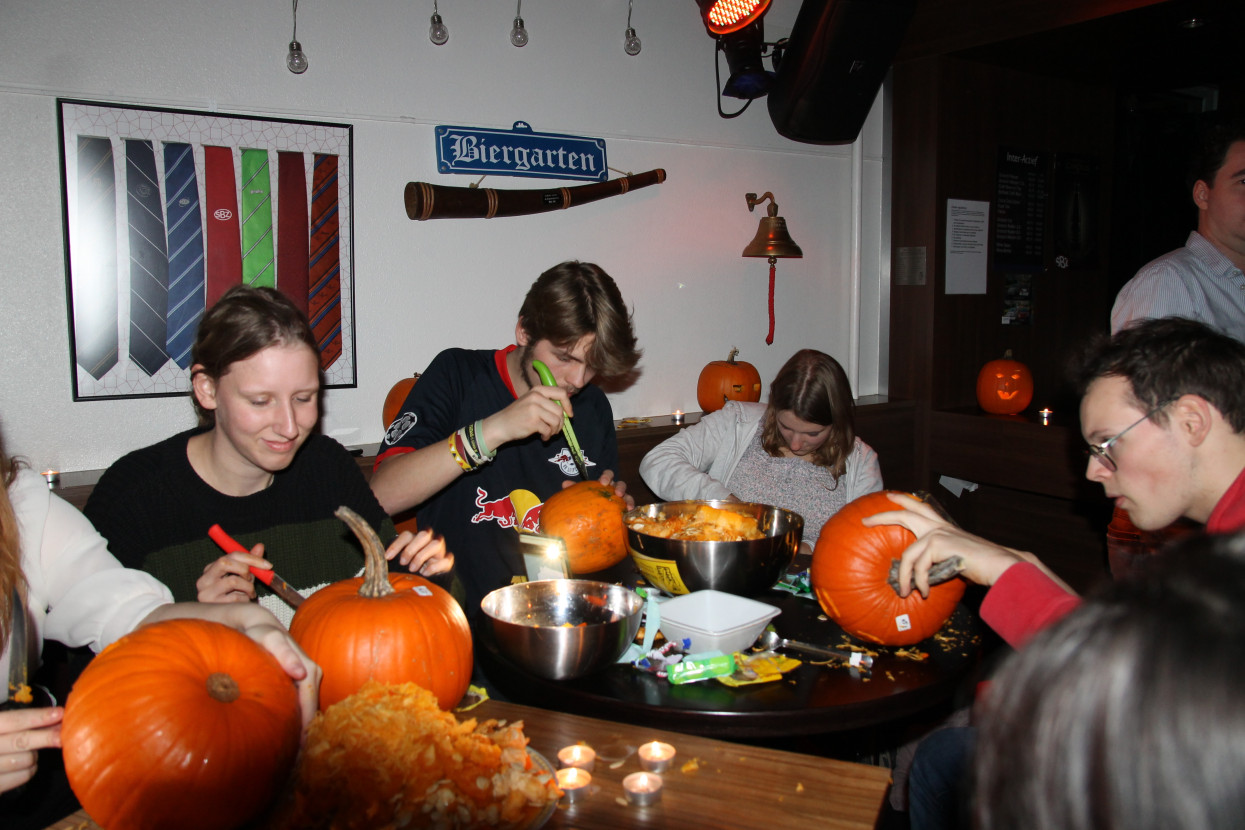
[(1102, 451)]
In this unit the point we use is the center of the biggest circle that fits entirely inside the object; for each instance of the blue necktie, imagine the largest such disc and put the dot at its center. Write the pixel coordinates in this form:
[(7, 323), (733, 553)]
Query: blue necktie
[(94, 249), (185, 235), (149, 262)]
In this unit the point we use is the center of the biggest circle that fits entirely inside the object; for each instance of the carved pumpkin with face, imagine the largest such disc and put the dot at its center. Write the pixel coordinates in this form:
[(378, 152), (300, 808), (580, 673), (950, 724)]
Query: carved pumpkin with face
[(1004, 387)]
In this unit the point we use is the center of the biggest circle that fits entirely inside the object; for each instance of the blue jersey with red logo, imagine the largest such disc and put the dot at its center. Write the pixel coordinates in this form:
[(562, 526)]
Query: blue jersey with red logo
[(474, 512)]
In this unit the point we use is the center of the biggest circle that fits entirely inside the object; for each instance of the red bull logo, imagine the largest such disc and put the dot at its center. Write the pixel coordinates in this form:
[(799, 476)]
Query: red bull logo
[(494, 510), (505, 511)]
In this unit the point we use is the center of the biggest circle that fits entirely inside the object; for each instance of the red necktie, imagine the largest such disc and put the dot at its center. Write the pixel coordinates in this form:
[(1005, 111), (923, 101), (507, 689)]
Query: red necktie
[(324, 273), (224, 239), (292, 229)]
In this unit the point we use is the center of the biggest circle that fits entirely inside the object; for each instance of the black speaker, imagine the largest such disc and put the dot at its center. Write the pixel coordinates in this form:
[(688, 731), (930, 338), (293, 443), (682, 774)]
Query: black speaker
[(836, 58)]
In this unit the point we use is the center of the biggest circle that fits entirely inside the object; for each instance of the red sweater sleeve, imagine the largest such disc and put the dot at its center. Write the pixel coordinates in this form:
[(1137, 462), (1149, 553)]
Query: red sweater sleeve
[(1023, 601)]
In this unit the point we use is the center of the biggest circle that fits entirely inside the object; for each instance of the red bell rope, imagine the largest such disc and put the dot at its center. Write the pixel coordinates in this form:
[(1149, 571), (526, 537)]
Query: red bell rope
[(769, 338)]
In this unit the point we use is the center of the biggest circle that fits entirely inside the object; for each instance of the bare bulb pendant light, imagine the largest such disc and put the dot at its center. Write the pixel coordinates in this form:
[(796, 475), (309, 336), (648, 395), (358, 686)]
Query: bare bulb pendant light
[(518, 32), (296, 59), (631, 41), (771, 241), (438, 32)]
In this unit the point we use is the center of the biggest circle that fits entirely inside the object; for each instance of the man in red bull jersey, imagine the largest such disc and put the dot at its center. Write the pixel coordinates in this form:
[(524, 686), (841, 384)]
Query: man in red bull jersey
[(479, 425)]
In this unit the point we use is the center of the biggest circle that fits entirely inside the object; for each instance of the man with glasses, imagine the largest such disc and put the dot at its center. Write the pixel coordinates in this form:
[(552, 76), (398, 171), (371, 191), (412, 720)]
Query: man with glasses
[(1163, 417)]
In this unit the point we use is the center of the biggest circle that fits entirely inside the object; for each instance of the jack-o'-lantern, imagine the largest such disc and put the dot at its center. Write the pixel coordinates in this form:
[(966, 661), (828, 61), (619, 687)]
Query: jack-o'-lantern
[(727, 380), (1004, 387)]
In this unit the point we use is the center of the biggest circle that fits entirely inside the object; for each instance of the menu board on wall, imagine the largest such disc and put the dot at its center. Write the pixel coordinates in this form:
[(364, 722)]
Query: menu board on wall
[(1021, 187)]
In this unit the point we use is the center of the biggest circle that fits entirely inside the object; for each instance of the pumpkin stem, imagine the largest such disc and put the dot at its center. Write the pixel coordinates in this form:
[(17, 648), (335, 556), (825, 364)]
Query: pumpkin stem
[(1007, 355), (731, 358), (376, 566), (222, 687)]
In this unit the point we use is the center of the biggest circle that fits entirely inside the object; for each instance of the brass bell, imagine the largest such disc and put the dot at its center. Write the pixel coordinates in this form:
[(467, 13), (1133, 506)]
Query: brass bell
[(772, 238)]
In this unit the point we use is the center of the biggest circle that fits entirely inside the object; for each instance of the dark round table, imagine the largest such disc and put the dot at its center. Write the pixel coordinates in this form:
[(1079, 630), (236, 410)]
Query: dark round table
[(812, 699)]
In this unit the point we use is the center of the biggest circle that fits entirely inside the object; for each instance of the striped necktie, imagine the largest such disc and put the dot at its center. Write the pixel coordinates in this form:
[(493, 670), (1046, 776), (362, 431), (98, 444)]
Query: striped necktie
[(258, 267), (324, 278), (292, 229), (94, 261), (185, 235), (149, 263), (224, 246)]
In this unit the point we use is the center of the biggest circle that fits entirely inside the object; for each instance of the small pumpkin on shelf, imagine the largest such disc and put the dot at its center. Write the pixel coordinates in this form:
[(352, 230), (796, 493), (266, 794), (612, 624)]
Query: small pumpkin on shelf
[(1005, 386), (394, 628), (588, 516), (182, 723), (727, 380), (851, 575)]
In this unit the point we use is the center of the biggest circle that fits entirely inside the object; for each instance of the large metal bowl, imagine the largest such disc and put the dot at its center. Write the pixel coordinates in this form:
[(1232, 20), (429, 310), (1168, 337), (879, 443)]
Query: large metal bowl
[(679, 566), (563, 628)]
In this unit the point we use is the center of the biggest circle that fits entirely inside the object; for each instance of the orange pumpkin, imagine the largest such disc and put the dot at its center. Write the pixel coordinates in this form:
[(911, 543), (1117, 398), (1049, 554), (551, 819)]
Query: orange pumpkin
[(183, 723), (727, 380), (588, 516), (393, 628), (1004, 387), (395, 399), (851, 564)]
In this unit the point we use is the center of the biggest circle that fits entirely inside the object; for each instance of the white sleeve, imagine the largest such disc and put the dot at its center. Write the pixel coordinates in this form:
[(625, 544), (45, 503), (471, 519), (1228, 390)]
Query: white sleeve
[(88, 597), (864, 474), (677, 468)]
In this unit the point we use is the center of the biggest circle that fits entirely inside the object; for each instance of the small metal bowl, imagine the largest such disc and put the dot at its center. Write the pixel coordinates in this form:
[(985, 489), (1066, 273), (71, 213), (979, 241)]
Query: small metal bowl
[(750, 568), (563, 628)]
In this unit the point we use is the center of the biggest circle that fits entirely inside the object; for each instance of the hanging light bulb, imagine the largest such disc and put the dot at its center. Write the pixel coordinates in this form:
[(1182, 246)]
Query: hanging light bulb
[(631, 41), (518, 33), (296, 59), (438, 32)]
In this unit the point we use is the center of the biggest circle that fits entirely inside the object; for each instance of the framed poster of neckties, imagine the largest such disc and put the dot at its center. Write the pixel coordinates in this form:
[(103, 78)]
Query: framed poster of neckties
[(165, 209)]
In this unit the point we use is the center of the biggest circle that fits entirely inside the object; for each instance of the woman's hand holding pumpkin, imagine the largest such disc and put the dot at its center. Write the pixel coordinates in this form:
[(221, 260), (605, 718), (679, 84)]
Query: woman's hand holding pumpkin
[(423, 553), (229, 578), (937, 540), (23, 732)]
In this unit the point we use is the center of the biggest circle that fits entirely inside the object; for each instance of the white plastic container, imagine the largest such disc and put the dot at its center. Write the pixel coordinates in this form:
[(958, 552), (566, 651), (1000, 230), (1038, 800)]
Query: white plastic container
[(715, 620)]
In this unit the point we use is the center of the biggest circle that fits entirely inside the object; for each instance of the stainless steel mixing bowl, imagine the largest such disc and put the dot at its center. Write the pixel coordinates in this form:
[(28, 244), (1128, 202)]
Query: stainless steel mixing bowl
[(749, 568), (563, 628)]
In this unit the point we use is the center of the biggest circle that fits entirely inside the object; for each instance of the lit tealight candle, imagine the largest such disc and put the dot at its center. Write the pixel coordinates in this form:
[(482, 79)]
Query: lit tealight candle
[(52, 477), (1045, 413), (643, 788), (577, 755), (656, 756), (573, 782), (677, 417)]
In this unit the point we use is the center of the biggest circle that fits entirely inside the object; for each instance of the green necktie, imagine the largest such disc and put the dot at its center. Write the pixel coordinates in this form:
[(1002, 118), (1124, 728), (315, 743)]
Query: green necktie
[(258, 267)]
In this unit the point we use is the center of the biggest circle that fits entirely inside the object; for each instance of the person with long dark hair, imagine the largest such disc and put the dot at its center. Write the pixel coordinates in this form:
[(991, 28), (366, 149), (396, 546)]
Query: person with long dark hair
[(799, 451)]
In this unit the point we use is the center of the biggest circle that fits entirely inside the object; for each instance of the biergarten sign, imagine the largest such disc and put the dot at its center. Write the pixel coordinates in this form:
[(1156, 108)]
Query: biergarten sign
[(520, 151)]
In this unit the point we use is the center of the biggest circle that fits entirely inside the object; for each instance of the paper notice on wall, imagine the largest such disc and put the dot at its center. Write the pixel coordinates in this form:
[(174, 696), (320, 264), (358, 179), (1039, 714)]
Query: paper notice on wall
[(968, 226)]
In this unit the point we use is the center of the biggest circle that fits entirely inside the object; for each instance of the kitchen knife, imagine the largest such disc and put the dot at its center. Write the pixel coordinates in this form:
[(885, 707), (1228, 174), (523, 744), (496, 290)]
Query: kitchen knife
[(19, 692), (546, 377), (278, 585)]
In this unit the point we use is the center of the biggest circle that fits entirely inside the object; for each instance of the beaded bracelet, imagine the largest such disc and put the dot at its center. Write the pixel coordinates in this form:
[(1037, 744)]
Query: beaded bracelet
[(462, 462)]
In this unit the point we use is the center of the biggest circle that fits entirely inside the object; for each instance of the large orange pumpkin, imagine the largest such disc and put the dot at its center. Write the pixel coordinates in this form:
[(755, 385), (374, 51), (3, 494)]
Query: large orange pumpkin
[(727, 380), (588, 516), (1004, 387), (394, 628), (395, 399), (183, 723), (851, 564)]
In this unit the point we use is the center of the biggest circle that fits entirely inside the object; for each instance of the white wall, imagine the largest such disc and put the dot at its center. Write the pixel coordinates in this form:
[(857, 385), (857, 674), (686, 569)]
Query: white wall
[(421, 286)]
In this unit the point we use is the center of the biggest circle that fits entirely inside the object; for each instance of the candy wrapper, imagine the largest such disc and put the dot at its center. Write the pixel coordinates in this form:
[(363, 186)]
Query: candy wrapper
[(659, 660), (758, 667), (702, 668), (796, 583)]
